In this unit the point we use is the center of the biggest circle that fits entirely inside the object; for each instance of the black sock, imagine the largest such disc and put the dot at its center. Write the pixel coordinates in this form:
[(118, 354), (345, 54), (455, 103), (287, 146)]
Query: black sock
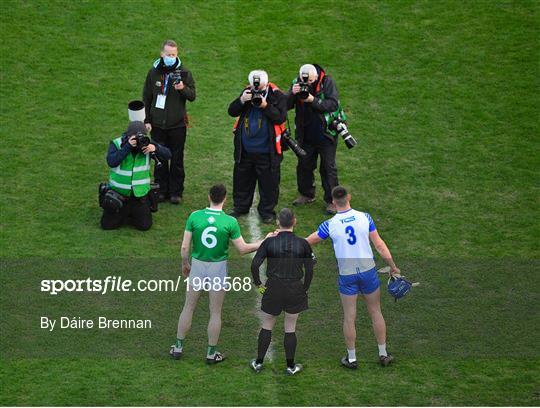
[(264, 342), (289, 341)]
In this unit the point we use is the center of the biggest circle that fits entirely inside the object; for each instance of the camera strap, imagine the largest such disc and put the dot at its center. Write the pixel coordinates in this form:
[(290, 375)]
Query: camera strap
[(247, 122), (246, 125), (339, 114)]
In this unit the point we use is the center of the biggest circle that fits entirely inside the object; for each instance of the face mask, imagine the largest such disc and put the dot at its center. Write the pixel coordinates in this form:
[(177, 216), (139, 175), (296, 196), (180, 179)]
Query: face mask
[(169, 61)]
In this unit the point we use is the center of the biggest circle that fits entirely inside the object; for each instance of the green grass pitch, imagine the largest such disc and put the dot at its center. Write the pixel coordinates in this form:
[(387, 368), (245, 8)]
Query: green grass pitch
[(443, 97)]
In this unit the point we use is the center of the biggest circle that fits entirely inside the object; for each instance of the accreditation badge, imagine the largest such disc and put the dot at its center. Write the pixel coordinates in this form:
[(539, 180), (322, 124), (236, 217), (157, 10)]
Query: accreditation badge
[(160, 101)]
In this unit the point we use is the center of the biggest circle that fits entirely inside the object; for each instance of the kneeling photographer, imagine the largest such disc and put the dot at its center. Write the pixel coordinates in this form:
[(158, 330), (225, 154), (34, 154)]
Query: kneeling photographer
[(128, 194), (319, 121)]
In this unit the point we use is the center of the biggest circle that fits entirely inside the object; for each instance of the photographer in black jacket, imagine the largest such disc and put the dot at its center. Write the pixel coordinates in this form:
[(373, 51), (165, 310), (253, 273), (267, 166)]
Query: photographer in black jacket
[(169, 84), (261, 111), (128, 158), (314, 94)]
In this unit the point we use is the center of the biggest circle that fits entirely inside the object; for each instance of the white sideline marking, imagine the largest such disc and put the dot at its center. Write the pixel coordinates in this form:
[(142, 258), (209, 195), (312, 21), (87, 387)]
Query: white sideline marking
[(256, 234)]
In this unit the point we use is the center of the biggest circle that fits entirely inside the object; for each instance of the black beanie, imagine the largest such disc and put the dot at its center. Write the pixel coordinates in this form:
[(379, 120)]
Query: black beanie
[(135, 127)]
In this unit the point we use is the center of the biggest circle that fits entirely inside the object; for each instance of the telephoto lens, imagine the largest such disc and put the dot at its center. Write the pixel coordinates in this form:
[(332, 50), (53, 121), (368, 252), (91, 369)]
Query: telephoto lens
[(304, 86), (304, 92), (342, 130), (256, 93), (256, 99), (295, 147), (142, 140)]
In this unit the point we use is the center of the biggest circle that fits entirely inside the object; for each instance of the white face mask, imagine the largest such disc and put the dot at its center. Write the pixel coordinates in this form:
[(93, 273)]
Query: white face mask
[(169, 61)]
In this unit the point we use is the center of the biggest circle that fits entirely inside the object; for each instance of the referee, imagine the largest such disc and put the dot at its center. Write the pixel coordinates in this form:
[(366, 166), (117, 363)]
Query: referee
[(287, 257)]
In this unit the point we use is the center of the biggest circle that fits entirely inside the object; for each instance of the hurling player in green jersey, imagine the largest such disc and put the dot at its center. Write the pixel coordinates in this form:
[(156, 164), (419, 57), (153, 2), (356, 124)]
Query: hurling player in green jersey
[(209, 230)]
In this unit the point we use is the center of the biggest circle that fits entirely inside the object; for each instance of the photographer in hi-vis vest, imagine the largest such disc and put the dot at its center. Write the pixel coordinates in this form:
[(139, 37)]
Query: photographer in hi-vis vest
[(126, 195)]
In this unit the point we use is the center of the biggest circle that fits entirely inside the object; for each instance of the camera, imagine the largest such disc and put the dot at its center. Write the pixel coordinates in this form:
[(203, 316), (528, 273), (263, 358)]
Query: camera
[(175, 77), (143, 141), (256, 93), (304, 86), (291, 143), (114, 201), (342, 130), (110, 199)]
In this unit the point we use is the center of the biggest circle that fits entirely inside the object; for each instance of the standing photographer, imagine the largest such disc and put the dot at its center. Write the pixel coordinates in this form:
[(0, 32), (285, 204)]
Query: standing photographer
[(314, 95), (129, 178), (167, 87), (261, 111)]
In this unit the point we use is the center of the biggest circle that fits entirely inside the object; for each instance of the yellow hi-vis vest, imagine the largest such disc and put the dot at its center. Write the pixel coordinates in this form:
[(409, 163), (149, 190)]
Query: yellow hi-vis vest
[(133, 174)]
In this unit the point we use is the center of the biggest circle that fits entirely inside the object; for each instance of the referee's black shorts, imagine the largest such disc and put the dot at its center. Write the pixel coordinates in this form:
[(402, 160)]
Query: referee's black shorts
[(284, 294)]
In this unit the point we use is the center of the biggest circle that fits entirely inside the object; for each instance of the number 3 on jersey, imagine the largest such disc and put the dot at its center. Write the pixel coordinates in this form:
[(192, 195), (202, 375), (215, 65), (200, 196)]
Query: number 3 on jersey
[(352, 238), (209, 240)]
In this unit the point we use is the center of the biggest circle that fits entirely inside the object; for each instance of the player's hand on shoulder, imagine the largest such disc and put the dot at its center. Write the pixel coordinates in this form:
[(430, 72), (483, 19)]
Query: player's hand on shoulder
[(271, 234)]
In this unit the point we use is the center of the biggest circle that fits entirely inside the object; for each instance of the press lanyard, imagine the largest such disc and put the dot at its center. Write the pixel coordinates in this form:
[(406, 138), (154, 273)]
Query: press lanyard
[(164, 84)]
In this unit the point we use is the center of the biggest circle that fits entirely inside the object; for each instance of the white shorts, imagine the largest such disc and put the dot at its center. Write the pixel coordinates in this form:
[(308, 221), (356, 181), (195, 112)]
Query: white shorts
[(210, 275)]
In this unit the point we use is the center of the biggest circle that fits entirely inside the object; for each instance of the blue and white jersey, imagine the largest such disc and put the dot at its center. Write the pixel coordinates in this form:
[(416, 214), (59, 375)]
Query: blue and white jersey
[(349, 231)]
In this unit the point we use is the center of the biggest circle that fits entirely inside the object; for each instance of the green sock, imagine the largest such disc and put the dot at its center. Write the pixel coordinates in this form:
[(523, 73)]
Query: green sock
[(211, 351), (179, 343)]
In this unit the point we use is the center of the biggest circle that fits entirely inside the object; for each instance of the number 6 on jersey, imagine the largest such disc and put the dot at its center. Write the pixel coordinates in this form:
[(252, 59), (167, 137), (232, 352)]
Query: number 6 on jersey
[(207, 239)]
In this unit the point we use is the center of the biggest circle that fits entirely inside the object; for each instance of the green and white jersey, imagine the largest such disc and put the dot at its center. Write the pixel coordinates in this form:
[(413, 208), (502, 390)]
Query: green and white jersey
[(212, 230)]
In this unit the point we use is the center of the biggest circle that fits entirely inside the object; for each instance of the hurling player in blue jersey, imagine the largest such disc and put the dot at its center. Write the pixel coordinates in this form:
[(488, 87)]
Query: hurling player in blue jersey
[(351, 232)]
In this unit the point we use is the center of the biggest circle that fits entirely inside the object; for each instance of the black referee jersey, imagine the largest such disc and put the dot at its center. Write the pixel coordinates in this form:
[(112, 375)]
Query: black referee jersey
[(287, 257)]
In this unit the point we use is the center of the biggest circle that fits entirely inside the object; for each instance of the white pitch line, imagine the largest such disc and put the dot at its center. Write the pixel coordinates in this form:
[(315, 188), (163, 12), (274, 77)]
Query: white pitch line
[(256, 234)]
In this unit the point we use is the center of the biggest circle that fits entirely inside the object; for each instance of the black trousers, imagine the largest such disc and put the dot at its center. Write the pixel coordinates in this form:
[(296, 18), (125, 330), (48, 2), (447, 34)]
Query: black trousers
[(256, 168), (327, 169), (136, 210), (171, 175)]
